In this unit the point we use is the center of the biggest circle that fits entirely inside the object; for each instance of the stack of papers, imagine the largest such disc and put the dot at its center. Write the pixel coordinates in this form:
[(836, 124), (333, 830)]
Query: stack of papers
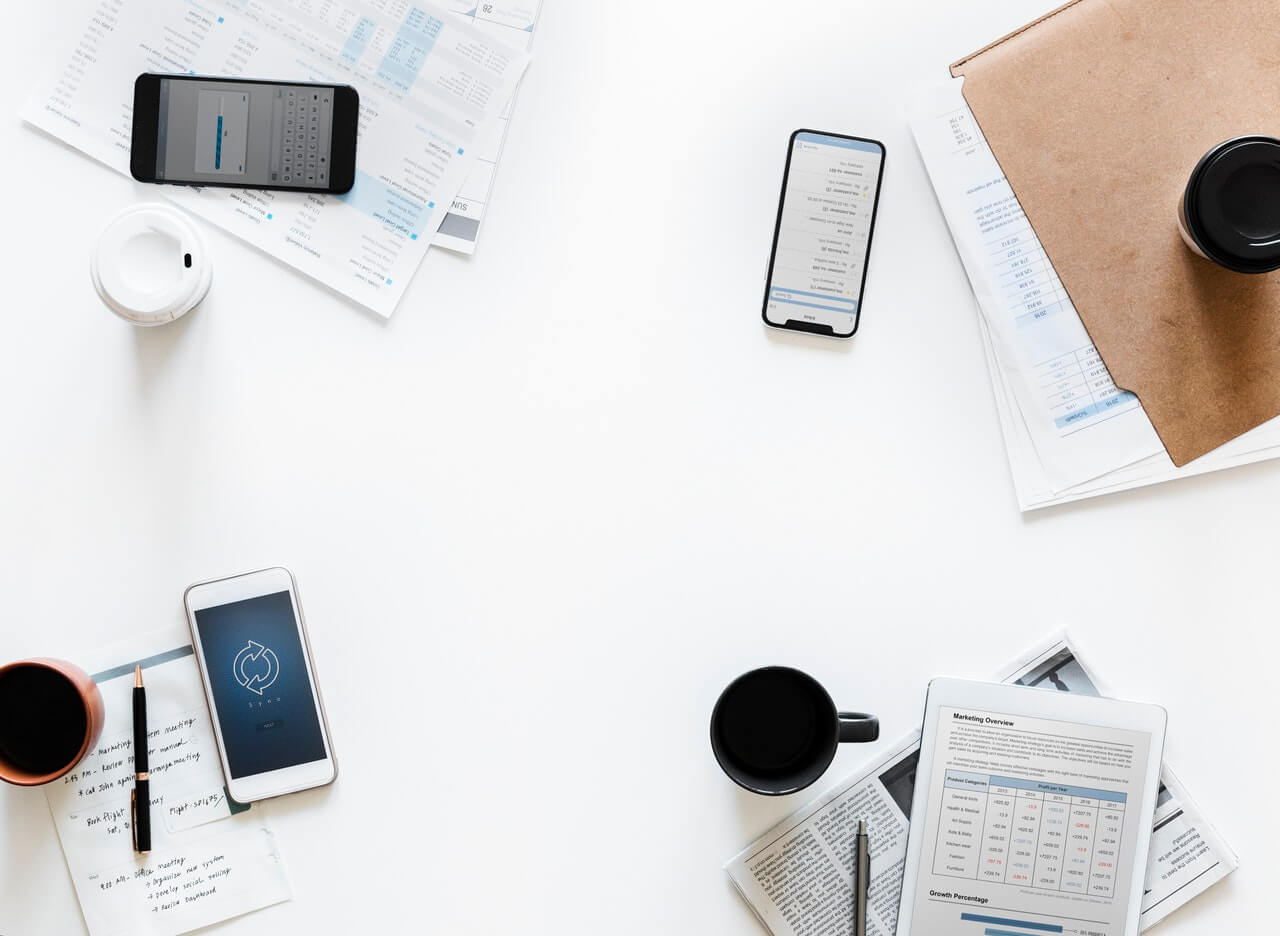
[(511, 22), (211, 858), (433, 87), (1069, 431)]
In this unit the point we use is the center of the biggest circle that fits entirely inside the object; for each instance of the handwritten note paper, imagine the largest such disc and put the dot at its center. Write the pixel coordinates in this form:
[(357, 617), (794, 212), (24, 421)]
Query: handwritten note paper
[(211, 859)]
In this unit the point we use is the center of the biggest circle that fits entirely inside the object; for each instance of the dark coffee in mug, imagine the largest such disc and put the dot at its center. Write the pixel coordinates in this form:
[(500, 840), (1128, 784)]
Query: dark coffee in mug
[(775, 722), (43, 721), (775, 730)]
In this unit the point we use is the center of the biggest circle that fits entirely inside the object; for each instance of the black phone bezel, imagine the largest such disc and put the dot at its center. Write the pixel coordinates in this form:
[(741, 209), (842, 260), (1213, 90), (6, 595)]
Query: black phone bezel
[(811, 328), (346, 121), (146, 119)]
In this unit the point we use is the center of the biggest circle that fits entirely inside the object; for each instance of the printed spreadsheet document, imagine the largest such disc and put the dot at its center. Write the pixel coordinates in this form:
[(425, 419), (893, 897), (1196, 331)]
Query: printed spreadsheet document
[(1069, 431), (512, 22), (432, 88)]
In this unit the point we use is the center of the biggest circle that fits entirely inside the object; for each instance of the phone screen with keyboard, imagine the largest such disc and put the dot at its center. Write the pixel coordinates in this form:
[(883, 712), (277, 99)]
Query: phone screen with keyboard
[(245, 133), (302, 121)]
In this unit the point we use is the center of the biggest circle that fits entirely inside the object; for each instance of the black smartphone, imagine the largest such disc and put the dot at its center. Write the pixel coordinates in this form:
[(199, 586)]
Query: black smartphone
[(822, 239), (192, 130)]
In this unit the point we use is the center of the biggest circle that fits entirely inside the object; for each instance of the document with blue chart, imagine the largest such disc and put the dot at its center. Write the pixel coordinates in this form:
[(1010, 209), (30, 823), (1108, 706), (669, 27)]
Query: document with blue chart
[(1069, 431), (1082, 425), (798, 876), (512, 22), (432, 84)]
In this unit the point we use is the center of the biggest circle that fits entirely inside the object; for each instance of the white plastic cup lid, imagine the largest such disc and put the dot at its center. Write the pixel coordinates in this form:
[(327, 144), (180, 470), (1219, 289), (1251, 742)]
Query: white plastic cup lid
[(150, 265)]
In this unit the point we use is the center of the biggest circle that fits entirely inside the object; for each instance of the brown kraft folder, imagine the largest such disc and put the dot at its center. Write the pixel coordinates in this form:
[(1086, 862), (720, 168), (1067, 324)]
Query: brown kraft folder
[(1097, 113)]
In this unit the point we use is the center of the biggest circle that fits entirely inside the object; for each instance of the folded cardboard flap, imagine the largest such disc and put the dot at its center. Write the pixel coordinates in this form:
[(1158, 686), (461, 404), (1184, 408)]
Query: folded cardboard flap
[(1097, 112)]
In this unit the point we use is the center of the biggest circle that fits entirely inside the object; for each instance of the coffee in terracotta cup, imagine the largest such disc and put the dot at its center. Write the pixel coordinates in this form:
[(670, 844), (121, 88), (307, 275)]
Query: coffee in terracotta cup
[(51, 714)]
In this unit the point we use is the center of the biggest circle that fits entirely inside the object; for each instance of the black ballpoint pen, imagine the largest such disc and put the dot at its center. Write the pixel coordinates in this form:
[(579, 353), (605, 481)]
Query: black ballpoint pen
[(862, 882), (140, 803)]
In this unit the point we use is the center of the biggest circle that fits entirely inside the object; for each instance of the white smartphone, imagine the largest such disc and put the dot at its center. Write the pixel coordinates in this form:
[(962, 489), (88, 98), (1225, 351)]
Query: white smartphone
[(251, 644)]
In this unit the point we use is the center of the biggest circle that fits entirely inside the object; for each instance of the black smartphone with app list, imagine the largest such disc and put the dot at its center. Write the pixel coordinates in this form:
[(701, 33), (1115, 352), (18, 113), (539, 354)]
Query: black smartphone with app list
[(241, 133), (822, 237)]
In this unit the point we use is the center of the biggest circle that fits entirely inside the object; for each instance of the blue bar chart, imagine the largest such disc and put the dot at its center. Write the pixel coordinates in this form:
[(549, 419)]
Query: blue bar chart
[(1008, 921)]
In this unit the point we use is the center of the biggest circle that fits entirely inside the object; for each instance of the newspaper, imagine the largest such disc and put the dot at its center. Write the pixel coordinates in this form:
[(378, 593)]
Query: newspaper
[(798, 876)]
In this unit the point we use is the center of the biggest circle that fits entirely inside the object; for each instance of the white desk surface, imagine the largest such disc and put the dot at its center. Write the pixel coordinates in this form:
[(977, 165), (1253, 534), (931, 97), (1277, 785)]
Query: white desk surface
[(542, 516)]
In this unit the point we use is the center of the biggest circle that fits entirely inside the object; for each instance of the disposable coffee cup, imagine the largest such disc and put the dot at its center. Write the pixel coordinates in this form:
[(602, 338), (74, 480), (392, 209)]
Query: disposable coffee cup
[(1230, 210), (51, 715), (775, 730), (150, 265)]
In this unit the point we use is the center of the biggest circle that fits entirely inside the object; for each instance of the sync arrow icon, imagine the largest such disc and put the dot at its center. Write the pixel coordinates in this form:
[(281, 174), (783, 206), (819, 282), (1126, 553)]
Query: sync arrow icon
[(256, 667)]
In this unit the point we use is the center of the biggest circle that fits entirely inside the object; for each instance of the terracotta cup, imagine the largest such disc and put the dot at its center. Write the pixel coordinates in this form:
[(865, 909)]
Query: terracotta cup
[(44, 700)]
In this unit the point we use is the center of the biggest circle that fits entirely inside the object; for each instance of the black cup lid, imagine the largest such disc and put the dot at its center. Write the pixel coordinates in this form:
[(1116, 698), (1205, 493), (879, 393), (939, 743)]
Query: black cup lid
[(1232, 204)]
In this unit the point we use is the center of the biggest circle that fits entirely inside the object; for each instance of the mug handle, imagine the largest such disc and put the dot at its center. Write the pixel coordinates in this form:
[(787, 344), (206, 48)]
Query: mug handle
[(858, 726)]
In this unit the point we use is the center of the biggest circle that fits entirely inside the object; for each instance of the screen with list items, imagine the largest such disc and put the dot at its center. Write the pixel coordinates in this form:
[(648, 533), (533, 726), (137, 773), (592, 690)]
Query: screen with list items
[(824, 231)]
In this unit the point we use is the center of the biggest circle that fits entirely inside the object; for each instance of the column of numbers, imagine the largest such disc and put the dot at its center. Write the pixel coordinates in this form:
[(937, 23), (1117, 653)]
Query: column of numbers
[(1080, 833), (1029, 284), (1106, 849), (994, 860), (1065, 388), (1027, 811), (1051, 848)]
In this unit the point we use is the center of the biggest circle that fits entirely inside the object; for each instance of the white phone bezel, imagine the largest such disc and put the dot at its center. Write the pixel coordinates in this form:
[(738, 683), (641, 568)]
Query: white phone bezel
[(222, 591), (1032, 702)]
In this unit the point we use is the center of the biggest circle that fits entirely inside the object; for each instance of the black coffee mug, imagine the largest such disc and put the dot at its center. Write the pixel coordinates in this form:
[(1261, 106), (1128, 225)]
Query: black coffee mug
[(775, 730)]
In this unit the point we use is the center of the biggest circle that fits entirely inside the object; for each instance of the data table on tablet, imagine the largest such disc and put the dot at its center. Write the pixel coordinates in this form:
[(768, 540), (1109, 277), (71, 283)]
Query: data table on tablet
[(1031, 833), (1033, 803)]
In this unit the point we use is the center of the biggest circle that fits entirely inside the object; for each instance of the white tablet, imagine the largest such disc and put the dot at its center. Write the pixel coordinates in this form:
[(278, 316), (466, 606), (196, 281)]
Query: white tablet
[(1032, 813)]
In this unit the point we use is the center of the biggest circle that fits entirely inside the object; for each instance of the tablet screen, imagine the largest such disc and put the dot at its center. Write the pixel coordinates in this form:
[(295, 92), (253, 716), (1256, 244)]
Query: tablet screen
[(1031, 826)]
